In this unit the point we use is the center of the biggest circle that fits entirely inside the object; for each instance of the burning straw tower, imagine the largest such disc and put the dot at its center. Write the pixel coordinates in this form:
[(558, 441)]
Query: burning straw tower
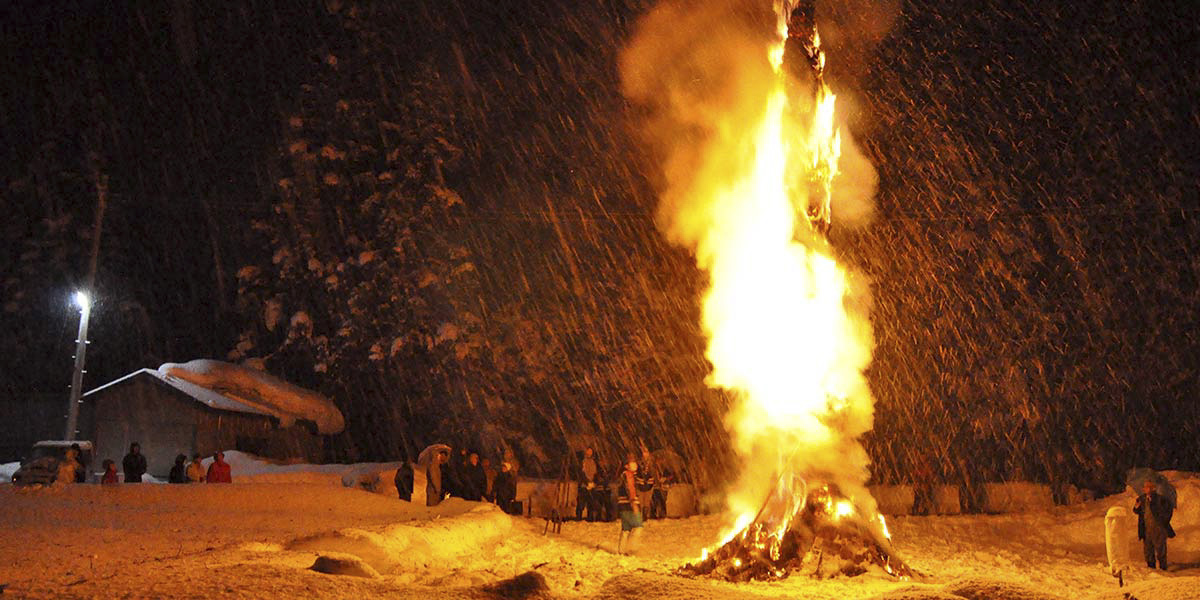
[(750, 172)]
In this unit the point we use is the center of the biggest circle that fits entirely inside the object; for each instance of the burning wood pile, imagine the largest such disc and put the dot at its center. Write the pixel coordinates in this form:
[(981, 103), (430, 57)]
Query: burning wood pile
[(819, 534)]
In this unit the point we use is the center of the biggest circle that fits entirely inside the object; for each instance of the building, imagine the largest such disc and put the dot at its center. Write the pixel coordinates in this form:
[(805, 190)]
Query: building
[(168, 416)]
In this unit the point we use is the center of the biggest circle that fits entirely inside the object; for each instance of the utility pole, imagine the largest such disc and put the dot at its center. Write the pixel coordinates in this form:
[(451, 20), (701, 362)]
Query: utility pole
[(83, 300), (85, 308)]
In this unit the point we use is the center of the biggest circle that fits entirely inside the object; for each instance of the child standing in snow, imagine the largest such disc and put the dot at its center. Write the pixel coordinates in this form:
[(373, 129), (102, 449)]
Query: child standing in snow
[(110, 473), (178, 471), (629, 508), (196, 470), (67, 468)]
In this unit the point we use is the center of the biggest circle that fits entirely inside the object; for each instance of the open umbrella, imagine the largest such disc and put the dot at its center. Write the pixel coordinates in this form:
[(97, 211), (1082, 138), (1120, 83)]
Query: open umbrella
[(1137, 477), (426, 455)]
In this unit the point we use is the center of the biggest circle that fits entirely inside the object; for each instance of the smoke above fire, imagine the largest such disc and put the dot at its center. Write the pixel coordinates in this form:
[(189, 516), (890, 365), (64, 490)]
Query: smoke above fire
[(745, 152)]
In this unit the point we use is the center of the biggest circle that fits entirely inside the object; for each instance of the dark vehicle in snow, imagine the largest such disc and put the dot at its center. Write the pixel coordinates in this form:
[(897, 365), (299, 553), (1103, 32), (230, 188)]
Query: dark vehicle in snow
[(42, 465)]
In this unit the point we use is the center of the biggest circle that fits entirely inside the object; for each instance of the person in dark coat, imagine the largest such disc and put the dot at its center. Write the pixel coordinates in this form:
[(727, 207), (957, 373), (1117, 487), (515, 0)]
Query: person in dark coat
[(474, 480), (1154, 524), (506, 488), (453, 473), (134, 464), (404, 481), (179, 471), (604, 495)]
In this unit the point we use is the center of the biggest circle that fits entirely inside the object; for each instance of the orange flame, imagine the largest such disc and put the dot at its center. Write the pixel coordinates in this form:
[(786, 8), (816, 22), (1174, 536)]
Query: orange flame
[(780, 335)]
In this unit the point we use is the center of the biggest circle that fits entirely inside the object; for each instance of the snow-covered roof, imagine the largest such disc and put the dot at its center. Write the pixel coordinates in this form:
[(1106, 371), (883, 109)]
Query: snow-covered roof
[(226, 386), (259, 390), (198, 393), (83, 444)]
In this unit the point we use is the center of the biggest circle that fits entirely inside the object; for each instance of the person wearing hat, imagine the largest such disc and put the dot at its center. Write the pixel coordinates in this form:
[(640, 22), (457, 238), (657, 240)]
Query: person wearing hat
[(1154, 524), (505, 488)]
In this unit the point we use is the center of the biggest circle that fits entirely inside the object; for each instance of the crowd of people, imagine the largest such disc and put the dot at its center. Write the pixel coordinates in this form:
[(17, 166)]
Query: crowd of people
[(72, 469), (631, 493), (465, 476), (600, 488), (635, 492)]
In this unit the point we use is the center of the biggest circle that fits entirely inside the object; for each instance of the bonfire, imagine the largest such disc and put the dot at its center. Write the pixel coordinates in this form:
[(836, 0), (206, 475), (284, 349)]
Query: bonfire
[(818, 533), (786, 337)]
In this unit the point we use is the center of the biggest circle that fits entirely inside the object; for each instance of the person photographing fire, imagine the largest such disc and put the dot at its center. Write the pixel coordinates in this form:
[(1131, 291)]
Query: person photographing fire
[(1154, 524), (629, 507)]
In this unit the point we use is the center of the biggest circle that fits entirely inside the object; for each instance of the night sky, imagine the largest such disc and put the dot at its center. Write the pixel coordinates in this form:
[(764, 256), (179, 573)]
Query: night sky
[(1033, 257)]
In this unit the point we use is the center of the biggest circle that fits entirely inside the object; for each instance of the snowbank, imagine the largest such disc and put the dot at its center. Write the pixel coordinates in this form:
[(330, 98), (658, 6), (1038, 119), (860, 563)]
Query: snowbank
[(259, 390), (247, 468), (408, 547), (893, 499), (969, 589), (946, 500), (7, 470), (1017, 496)]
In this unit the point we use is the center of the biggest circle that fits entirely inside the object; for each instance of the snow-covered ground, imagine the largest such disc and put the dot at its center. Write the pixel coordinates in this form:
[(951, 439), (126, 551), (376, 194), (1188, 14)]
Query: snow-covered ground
[(259, 540)]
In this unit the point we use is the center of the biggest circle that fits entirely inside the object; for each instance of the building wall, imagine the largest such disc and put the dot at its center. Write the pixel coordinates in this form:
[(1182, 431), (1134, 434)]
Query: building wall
[(167, 422), (141, 410)]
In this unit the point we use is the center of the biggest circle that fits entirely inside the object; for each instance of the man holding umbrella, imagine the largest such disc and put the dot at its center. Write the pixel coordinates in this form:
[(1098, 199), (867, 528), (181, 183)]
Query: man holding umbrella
[(1154, 523)]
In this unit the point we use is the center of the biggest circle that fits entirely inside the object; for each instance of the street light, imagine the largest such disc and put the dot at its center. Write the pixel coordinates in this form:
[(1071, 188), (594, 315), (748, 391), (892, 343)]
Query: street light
[(84, 302)]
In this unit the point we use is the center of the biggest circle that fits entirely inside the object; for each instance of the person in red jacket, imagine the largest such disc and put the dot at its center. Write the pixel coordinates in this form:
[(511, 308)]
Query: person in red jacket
[(219, 471), (110, 473)]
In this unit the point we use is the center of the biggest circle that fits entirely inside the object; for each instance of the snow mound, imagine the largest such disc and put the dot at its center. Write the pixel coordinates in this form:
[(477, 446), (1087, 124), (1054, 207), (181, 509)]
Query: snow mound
[(248, 468), (968, 589), (334, 563), (983, 589), (259, 390), (645, 586), (917, 594), (406, 547), (530, 584)]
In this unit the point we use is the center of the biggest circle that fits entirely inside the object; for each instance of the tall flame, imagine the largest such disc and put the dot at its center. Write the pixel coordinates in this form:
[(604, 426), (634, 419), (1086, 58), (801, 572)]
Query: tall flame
[(780, 335), (750, 144)]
